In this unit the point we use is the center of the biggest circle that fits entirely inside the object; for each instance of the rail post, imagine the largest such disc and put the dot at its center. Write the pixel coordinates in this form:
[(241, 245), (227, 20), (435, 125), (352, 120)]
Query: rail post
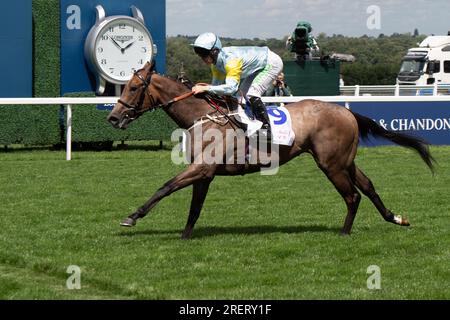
[(397, 90), (69, 133)]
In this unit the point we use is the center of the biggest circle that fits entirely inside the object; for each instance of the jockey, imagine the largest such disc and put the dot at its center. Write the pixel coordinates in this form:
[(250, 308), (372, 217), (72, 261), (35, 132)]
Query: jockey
[(248, 69)]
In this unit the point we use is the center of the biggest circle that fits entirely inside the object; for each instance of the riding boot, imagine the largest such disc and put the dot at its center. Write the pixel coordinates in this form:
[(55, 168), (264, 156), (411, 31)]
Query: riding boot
[(259, 110)]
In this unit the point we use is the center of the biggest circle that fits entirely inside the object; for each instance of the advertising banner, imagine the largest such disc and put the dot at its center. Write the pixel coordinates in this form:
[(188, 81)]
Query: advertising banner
[(427, 120)]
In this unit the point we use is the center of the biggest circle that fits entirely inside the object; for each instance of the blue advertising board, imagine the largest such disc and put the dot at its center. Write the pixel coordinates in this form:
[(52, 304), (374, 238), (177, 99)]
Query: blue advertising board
[(78, 17), (16, 38), (427, 120)]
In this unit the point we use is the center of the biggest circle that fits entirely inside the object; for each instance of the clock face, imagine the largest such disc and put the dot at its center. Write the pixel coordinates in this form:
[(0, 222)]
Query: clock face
[(121, 47)]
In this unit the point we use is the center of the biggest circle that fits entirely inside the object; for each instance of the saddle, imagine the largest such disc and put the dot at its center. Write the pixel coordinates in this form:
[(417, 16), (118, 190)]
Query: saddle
[(239, 114), (229, 107)]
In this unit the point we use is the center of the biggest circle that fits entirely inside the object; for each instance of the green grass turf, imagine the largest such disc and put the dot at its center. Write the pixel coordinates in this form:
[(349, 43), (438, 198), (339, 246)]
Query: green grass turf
[(259, 237)]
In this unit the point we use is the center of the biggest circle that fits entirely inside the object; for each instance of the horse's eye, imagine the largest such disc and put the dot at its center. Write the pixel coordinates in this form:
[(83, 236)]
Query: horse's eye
[(133, 89)]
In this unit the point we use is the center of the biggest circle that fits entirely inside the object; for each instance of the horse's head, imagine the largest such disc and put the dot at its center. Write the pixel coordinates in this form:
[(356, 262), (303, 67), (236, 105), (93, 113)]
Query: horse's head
[(136, 99)]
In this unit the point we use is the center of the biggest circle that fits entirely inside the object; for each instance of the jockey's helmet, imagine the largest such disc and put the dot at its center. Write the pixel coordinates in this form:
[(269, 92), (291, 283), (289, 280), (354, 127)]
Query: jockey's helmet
[(206, 43)]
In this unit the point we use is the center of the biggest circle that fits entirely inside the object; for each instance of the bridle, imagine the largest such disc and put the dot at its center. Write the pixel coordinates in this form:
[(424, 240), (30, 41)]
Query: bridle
[(132, 111)]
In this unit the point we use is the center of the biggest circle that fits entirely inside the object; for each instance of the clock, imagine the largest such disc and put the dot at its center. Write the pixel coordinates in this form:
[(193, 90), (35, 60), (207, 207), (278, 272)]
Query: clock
[(116, 46)]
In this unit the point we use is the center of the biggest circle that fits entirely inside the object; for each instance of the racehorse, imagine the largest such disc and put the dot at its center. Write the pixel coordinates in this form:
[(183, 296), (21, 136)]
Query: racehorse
[(329, 132)]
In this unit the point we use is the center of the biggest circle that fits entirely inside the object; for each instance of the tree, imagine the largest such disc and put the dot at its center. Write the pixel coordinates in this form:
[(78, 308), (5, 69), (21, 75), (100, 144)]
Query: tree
[(378, 59)]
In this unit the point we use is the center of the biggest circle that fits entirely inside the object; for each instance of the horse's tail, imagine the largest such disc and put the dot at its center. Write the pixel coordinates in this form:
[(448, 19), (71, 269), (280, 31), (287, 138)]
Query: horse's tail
[(368, 126)]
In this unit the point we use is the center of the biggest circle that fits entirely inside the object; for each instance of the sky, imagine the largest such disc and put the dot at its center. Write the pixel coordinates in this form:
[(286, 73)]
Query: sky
[(277, 18)]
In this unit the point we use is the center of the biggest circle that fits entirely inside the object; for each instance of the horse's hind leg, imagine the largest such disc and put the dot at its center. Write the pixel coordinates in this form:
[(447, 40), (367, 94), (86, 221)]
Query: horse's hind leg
[(341, 179), (367, 188), (199, 191)]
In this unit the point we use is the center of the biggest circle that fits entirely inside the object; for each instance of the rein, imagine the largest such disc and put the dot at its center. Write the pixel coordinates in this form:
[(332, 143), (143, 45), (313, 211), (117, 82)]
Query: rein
[(208, 99), (176, 99)]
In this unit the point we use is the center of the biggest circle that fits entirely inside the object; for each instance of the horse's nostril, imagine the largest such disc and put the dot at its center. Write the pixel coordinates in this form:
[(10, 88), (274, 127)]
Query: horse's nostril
[(112, 119)]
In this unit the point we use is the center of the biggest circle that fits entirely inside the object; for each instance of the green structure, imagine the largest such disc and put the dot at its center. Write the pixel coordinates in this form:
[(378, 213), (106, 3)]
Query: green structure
[(313, 77)]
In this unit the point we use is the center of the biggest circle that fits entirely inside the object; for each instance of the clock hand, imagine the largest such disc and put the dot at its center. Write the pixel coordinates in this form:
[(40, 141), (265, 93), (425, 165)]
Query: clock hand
[(129, 45), (117, 45)]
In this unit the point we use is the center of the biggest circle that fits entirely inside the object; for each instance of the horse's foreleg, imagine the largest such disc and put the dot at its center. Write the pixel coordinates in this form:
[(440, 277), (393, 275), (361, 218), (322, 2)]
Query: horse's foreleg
[(367, 188), (192, 174), (199, 191)]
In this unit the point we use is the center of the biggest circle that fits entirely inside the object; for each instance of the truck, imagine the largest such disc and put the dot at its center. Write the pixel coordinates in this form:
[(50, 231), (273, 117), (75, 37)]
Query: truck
[(427, 64)]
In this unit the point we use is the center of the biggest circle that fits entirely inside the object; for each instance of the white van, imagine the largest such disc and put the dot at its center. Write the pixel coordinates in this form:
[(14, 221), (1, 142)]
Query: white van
[(428, 64)]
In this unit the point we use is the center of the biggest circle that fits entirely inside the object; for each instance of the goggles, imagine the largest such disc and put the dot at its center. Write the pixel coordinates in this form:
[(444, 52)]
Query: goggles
[(202, 52)]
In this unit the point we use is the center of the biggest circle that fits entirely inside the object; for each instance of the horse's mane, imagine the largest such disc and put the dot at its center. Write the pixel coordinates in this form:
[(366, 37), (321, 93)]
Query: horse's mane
[(180, 79), (185, 81)]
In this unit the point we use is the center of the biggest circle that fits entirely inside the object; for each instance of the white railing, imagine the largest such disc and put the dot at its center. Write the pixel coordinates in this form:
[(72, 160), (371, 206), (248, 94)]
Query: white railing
[(396, 90), (68, 102), (349, 99)]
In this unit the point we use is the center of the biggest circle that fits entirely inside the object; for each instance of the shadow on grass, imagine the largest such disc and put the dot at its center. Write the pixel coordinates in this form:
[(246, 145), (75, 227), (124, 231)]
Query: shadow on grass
[(202, 232), (150, 145)]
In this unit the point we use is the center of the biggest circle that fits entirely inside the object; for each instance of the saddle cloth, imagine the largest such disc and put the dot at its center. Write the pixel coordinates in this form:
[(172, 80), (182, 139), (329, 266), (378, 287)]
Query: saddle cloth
[(280, 119), (280, 124)]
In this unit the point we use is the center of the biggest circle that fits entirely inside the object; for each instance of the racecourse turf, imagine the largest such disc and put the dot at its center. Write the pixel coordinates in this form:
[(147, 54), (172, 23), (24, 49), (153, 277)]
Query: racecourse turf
[(259, 237)]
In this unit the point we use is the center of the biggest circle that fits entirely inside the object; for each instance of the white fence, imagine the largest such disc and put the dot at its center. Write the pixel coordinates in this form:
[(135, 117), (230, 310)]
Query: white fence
[(396, 90), (68, 102)]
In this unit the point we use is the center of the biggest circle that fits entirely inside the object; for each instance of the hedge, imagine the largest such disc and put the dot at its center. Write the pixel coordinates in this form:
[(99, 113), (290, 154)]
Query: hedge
[(29, 125)]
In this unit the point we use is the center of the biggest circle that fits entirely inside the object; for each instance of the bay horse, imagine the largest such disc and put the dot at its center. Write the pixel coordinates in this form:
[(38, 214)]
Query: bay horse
[(329, 132)]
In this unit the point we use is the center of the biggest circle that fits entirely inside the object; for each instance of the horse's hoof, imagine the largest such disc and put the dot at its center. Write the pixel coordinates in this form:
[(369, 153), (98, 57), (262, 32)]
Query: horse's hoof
[(128, 222), (405, 222), (186, 235), (402, 221)]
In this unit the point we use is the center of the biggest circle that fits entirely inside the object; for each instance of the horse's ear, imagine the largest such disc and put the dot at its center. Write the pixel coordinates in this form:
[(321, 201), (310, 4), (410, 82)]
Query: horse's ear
[(152, 65)]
